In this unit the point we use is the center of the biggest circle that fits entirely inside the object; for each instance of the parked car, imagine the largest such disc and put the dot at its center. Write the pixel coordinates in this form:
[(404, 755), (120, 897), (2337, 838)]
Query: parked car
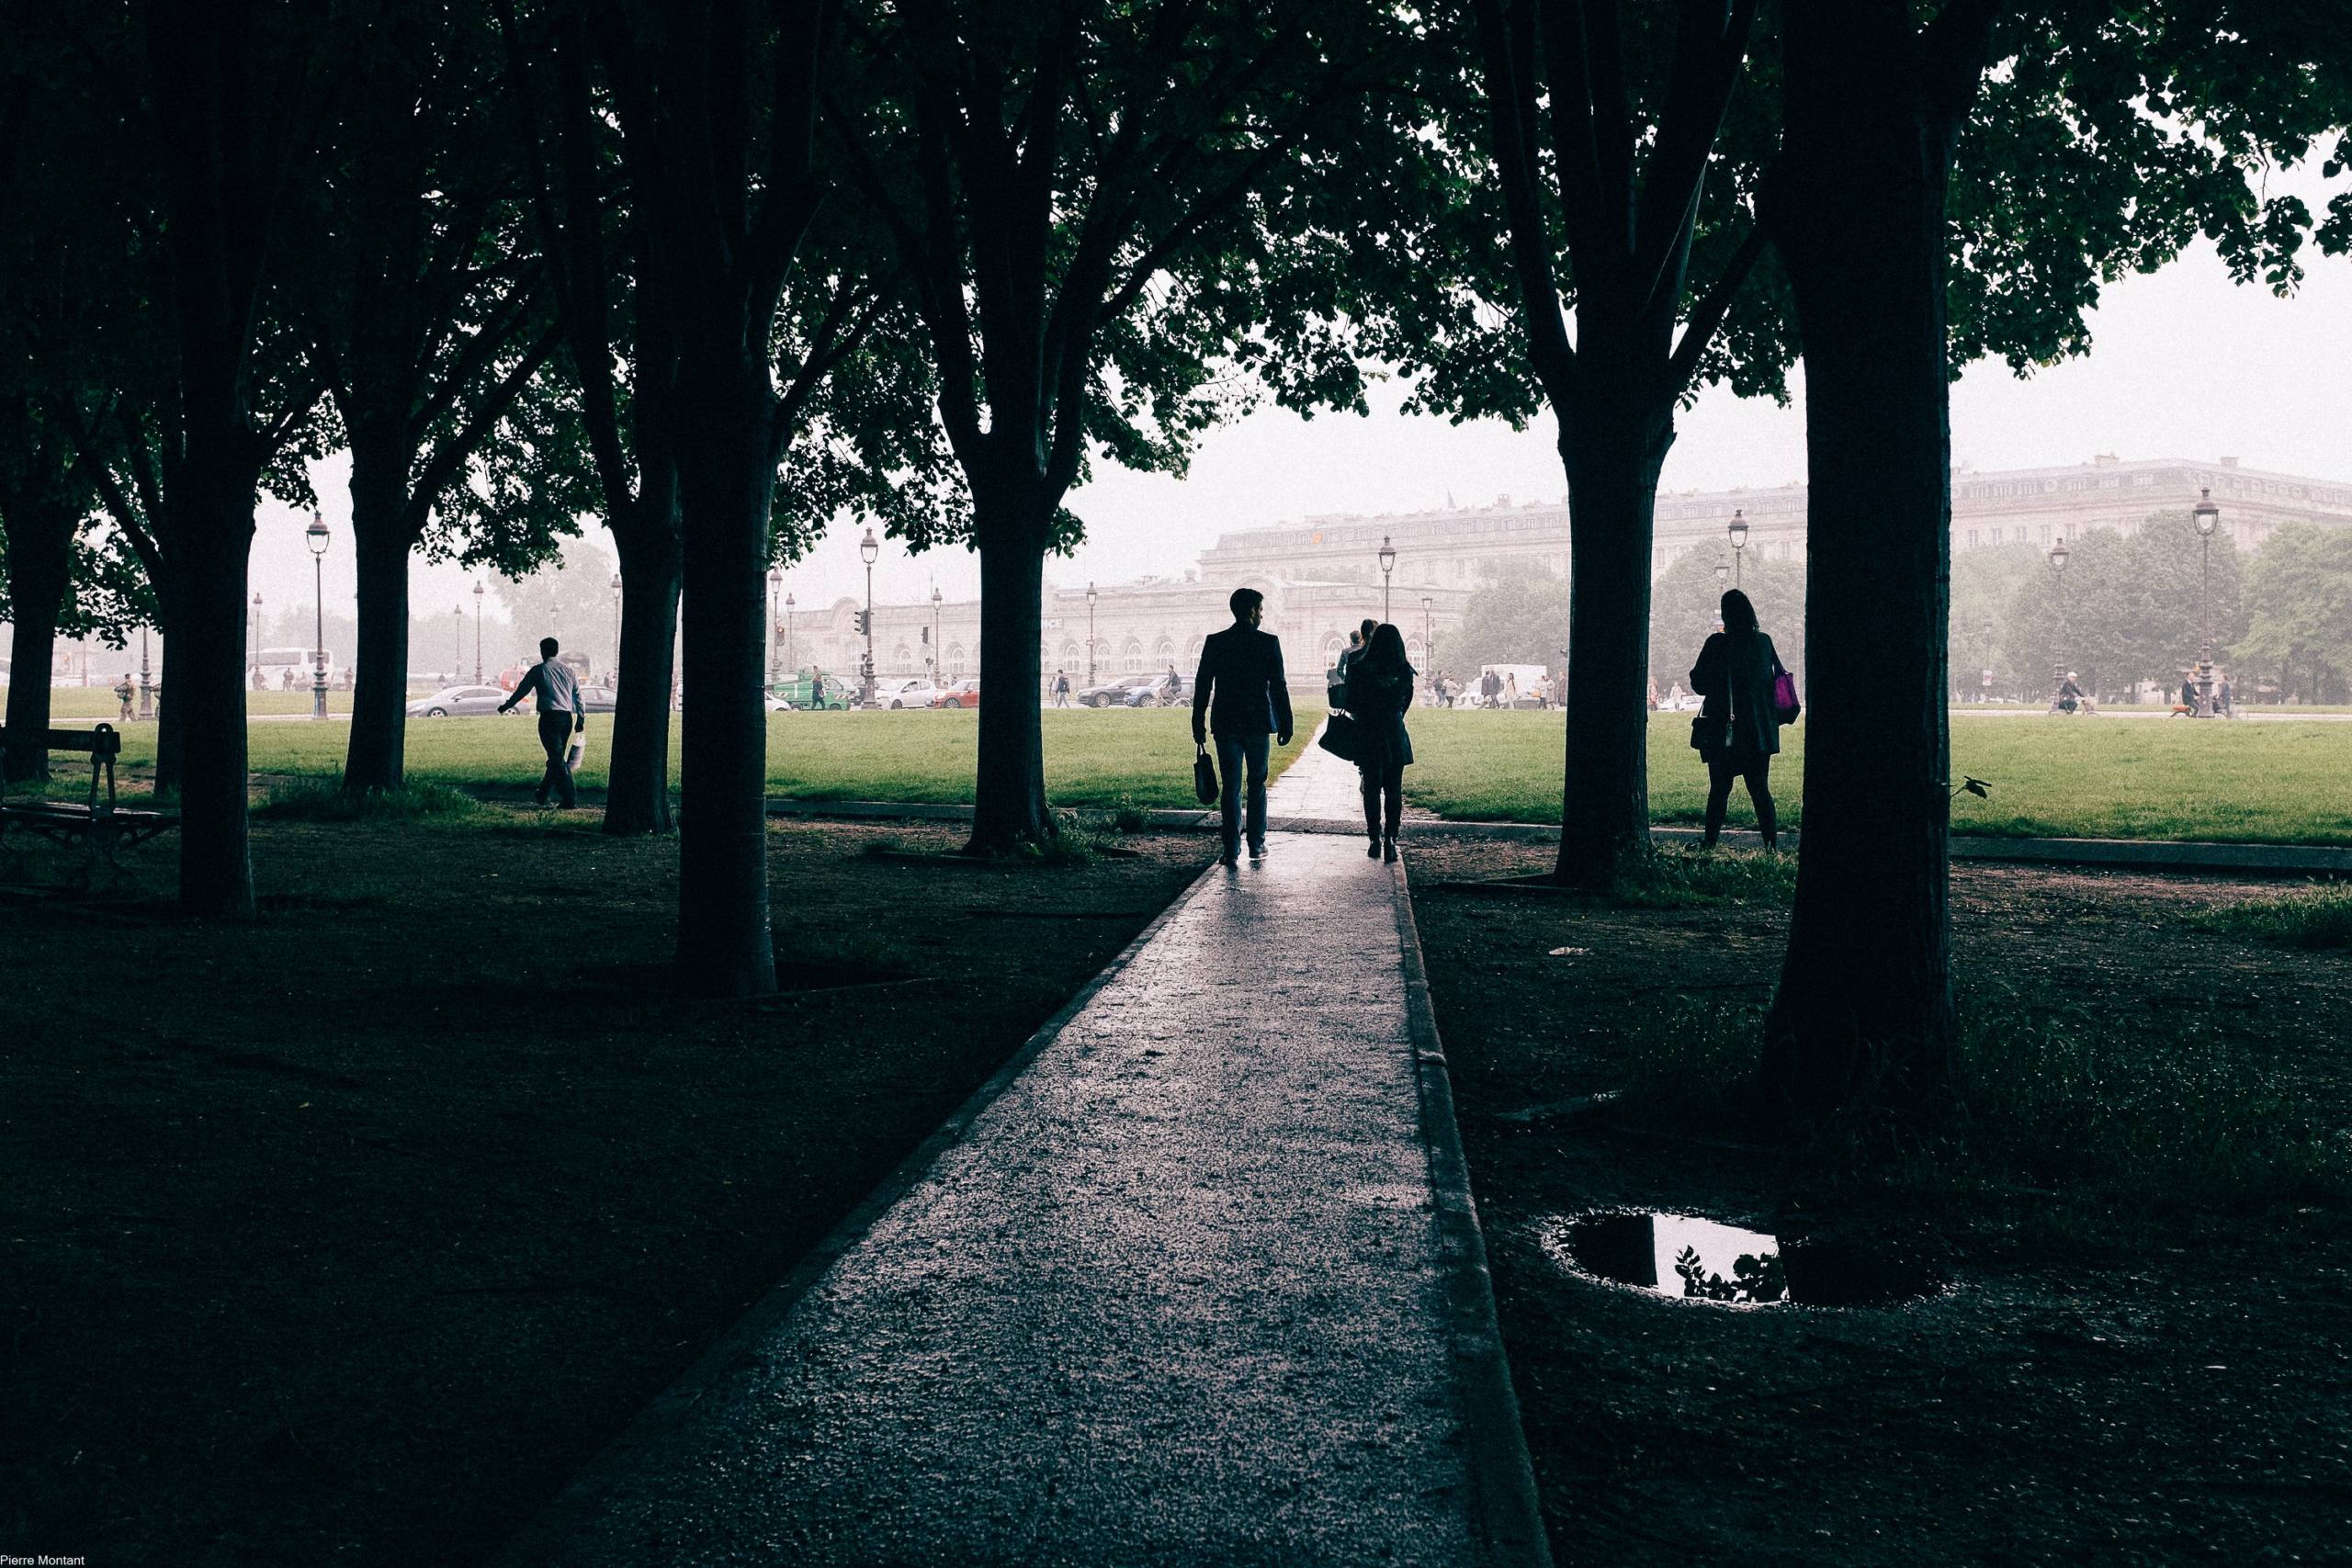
[(1117, 694), (457, 702), (964, 694), (597, 699), (1161, 691), (915, 693)]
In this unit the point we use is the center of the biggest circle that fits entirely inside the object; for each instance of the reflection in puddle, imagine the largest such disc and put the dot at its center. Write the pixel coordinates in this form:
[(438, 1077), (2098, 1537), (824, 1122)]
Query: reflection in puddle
[(1689, 1258)]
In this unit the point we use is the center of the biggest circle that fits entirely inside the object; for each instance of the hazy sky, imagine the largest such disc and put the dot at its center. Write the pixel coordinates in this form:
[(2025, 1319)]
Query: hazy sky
[(2183, 365)]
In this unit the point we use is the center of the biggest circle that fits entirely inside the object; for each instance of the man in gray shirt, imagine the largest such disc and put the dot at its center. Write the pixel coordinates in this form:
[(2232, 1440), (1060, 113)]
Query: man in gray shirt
[(560, 715)]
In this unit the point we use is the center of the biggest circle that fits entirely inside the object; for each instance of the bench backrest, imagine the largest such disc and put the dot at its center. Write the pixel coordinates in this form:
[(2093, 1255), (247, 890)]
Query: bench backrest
[(101, 745)]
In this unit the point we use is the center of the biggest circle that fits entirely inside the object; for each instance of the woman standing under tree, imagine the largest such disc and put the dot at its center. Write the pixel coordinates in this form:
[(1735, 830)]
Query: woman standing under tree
[(1738, 727), (1380, 688)]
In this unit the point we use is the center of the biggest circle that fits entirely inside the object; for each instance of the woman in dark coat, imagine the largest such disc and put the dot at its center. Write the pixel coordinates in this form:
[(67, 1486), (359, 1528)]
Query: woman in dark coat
[(1380, 688), (1739, 729)]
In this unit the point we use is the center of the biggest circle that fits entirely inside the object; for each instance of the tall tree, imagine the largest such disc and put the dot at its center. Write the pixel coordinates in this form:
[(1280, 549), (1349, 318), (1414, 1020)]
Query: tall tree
[(2298, 620), (1084, 197), (423, 314), (1860, 209), (230, 87)]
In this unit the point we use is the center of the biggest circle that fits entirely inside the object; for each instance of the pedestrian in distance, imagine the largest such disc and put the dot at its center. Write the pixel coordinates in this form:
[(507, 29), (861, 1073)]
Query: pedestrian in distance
[(1239, 696), (1510, 690), (1737, 732), (122, 694), (1380, 688), (560, 716), (1061, 688), (817, 690), (2222, 702)]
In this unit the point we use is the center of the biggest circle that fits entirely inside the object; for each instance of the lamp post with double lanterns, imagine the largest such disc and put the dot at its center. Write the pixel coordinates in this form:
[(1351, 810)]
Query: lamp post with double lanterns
[(938, 663), (478, 596), (1089, 633), (1387, 565), (2058, 557), (1738, 532), (2208, 517), (315, 536), (868, 549)]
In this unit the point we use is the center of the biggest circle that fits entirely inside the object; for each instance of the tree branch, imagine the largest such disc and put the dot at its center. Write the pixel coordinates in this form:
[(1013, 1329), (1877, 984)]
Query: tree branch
[(452, 455), (1511, 105), (1708, 315), (1710, 42)]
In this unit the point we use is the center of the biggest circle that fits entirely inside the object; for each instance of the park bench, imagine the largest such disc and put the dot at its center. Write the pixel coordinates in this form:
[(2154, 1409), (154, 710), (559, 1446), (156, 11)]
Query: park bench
[(99, 826)]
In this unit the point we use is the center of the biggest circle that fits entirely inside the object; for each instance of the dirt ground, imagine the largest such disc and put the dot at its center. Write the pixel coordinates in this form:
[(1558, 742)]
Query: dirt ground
[(346, 1235), (2148, 1388)]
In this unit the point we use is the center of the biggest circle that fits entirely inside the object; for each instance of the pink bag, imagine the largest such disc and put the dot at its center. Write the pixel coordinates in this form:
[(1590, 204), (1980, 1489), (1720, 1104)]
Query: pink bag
[(1785, 695)]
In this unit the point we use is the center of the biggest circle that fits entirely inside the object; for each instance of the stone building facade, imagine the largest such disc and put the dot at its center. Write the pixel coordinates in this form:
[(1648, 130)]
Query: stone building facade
[(1321, 575)]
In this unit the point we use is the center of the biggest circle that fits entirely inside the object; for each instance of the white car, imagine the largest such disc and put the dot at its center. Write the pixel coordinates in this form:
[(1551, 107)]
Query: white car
[(910, 694), (458, 701)]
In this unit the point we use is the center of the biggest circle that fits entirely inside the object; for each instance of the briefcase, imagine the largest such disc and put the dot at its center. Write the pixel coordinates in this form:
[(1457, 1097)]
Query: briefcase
[(1203, 777)]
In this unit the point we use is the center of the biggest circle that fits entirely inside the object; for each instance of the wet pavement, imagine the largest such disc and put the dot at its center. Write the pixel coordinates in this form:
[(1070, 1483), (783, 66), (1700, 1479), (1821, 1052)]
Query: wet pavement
[(1176, 1295), (1319, 786)]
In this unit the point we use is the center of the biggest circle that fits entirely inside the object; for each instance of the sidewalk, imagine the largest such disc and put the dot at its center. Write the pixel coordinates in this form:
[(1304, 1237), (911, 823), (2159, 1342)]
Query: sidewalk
[(1194, 1287)]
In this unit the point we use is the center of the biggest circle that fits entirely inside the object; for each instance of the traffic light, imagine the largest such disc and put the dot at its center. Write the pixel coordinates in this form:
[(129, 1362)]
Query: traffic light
[(857, 620)]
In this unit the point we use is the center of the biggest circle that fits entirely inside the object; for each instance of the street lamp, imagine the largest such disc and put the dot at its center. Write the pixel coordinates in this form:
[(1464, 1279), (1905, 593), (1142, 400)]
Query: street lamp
[(2058, 556), (315, 536), (477, 634), (1089, 633), (776, 649), (788, 662), (457, 643), (868, 549), (2208, 517), (1387, 565), (1989, 660), (256, 634), (617, 629), (1723, 572), (1738, 531), (146, 691), (936, 667)]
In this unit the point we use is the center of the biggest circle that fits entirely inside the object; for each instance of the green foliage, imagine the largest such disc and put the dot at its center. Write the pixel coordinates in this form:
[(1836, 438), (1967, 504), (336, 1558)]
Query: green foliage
[(1520, 616), (2103, 1110), (2317, 917), (2133, 608), (1679, 876), (318, 801), (2298, 605)]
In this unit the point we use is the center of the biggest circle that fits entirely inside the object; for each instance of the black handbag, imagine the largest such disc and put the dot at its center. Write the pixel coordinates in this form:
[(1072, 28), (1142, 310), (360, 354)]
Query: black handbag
[(1343, 738), (1709, 734), (1203, 777)]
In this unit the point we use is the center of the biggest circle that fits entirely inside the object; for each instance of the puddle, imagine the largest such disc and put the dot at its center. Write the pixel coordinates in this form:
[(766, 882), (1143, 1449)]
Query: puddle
[(1687, 1258)]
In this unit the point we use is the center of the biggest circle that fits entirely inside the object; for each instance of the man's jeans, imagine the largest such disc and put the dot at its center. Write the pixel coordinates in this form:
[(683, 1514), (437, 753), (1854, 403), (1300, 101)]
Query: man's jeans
[(1232, 750), (555, 738)]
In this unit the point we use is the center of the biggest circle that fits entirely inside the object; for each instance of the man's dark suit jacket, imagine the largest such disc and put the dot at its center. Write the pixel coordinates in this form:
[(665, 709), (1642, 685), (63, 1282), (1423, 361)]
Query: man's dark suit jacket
[(1241, 683)]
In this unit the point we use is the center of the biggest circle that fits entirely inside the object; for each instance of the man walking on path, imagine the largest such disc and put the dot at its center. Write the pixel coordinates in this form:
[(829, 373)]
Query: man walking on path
[(559, 716), (1240, 696), (1061, 688)]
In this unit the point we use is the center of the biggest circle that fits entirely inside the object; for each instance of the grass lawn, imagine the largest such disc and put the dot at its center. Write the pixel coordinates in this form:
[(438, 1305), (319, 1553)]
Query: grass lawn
[(2071, 778), (1093, 757)]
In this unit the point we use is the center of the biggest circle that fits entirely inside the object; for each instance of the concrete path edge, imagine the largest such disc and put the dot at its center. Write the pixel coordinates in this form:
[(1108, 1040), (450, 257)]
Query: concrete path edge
[(538, 1541), (1509, 1511)]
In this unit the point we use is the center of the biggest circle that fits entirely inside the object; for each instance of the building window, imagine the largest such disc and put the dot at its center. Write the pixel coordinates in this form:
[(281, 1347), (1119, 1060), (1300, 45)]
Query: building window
[(1972, 538), (904, 657), (956, 658), (1133, 658), (2043, 533), (2017, 534), (1167, 656)]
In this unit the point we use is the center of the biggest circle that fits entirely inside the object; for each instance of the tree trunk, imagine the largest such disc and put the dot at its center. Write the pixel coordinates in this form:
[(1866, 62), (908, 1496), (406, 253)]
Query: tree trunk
[(1009, 786), (39, 557), (1613, 449), (171, 715), (375, 757), (213, 518), (725, 481), (637, 794), (1864, 1009)]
